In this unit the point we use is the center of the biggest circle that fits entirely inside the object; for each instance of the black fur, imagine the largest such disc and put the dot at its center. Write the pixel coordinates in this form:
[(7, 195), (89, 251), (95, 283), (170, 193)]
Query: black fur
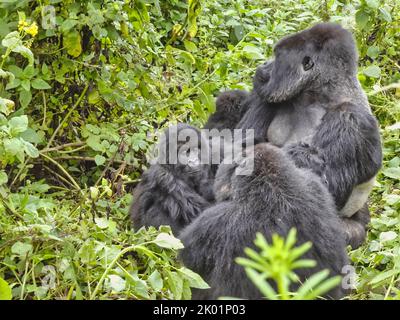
[(172, 194), (274, 198), (310, 95), (229, 110)]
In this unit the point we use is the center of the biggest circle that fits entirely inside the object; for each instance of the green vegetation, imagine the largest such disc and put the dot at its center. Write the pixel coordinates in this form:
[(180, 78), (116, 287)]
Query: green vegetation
[(278, 262), (84, 85)]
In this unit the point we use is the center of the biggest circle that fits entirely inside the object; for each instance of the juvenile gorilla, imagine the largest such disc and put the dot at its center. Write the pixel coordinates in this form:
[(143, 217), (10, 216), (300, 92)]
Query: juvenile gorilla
[(174, 192), (309, 100), (276, 197)]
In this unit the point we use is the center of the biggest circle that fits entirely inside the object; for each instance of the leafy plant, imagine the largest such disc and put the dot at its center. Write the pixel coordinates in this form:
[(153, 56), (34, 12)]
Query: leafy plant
[(277, 262)]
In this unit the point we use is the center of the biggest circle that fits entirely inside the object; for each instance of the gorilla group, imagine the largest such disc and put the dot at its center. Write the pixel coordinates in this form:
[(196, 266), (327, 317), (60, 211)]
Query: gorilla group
[(314, 170)]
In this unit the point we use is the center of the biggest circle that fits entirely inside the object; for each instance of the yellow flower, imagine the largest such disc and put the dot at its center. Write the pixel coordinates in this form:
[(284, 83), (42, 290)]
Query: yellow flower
[(22, 24), (32, 29)]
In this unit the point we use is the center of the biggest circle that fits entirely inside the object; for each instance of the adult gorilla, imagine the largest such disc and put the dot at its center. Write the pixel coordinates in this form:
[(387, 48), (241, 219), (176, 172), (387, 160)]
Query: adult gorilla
[(274, 198), (308, 100)]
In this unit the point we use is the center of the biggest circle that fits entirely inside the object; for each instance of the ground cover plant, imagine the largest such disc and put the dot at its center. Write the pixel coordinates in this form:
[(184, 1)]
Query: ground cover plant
[(84, 87)]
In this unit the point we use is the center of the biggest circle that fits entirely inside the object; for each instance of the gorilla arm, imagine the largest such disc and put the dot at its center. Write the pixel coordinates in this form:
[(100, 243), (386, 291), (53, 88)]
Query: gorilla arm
[(163, 199), (348, 141)]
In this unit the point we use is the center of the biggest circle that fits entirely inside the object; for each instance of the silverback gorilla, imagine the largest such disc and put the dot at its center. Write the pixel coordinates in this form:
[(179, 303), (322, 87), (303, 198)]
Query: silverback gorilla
[(307, 100), (277, 196), (174, 192)]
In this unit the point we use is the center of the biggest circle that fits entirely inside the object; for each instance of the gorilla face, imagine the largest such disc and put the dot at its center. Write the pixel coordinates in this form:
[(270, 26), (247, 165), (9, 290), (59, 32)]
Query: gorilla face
[(306, 61), (184, 151), (285, 77)]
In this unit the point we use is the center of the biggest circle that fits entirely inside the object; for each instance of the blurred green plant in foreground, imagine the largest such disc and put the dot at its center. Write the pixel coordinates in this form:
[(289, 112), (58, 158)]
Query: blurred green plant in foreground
[(277, 262)]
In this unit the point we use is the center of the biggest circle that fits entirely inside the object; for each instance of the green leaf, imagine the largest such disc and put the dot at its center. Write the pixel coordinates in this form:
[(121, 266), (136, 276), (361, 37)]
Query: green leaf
[(175, 284), (373, 52), (194, 9), (239, 32), (68, 24), (29, 72), (116, 283), (14, 147), (383, 276), (5, 290), (99, 159), (6, 106), (93, 142), (194, 279), (102, 223), (25, 98), (32, 136), (323, 287), (190, 46), (164, 240), (94, 193), (373, 4), (3, 177), (31, 150), (21, 249), (11, 40), (18, 124), (25, 52), (385, 15), (15, 83), (6, 75), (72, 42), (45, 69), (94, 97), (311, 283), (261, 284), (26, 84), (387, 236), (252, 52), (393, 173), (155, 280), (40, 84), (362, 19), (372, 71)]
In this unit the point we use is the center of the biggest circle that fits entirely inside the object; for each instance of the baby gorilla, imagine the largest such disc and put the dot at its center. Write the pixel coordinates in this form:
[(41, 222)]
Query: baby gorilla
[(176, 188), (274, 198), (229, 110)]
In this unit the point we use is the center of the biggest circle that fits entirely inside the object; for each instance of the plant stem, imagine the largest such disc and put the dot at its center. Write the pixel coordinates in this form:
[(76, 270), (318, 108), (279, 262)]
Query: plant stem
[(77, 103), (63, 146), (76, 185), (111, 265)]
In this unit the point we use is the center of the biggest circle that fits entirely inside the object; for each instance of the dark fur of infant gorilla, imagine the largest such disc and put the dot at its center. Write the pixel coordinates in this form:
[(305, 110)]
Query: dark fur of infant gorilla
[(274, 198), (309, 98), (173, 194), (229, 110)]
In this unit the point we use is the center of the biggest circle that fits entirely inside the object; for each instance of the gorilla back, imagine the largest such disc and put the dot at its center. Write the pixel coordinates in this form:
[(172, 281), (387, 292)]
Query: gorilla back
[(172, 191), (274, 198)]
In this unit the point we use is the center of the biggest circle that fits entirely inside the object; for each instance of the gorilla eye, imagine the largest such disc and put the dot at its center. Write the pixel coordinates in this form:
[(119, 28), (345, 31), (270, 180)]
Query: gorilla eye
[(307, 63)]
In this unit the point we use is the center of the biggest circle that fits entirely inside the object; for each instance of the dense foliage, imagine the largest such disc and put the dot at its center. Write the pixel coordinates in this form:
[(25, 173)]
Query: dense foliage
[(84, 85)]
